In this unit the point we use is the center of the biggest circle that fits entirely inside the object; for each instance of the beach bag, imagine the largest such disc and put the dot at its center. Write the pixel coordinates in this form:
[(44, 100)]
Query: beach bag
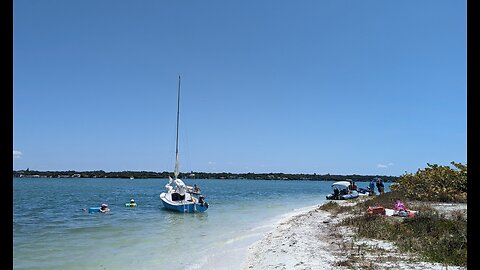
[(376, 210)]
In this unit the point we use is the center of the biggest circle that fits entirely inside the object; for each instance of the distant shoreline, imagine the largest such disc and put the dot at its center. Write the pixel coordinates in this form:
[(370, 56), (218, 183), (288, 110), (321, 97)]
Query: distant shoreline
[(197, 175)]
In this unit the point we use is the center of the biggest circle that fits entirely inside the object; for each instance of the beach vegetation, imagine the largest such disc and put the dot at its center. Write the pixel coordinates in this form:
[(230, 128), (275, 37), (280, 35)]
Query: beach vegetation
[(435, 183), (334, 207), (429, 234)]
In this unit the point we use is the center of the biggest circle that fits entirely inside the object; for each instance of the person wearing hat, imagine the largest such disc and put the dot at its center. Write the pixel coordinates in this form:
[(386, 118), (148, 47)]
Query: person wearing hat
[(104, 208), (131, 203)]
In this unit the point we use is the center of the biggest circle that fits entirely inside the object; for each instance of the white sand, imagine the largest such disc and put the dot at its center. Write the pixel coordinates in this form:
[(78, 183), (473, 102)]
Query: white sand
[(310, 240)]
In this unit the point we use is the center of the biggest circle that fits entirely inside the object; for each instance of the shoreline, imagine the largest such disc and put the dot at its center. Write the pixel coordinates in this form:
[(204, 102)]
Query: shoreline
[(310, 239), (233, 252), (293, 243)]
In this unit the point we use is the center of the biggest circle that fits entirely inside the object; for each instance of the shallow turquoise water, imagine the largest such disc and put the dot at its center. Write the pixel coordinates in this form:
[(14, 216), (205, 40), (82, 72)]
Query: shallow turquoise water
[(50, 231)]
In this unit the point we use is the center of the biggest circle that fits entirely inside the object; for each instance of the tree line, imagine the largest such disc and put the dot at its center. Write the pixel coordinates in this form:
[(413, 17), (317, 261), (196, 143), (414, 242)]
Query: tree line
[(199, 175)]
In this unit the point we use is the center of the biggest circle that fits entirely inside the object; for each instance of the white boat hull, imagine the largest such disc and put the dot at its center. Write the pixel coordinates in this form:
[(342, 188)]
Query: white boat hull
[(189, 204)]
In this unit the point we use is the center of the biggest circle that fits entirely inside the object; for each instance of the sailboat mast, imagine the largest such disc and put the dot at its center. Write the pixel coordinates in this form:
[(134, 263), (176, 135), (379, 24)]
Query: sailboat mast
[(177, 172)]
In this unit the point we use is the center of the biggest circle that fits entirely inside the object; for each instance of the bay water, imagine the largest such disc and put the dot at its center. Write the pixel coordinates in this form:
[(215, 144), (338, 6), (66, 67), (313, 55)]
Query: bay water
[(52, 230)]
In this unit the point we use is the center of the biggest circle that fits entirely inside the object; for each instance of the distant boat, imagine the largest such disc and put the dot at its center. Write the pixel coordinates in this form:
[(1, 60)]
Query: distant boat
[(180, 197), (131, 178)]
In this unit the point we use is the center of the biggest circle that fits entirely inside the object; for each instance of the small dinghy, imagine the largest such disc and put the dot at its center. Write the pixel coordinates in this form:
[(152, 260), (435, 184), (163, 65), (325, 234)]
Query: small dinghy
[(342, 191)]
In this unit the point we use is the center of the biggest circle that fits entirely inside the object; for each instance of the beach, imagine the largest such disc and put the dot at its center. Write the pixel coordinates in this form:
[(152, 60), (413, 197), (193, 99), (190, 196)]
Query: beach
[(298, 242), (311, 240)]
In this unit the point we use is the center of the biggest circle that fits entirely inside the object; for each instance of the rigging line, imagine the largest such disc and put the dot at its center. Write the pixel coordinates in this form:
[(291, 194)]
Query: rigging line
[(177, 172)]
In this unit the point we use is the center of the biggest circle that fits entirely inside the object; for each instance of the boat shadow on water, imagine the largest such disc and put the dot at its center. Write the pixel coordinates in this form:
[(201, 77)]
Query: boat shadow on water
[(177, 218)]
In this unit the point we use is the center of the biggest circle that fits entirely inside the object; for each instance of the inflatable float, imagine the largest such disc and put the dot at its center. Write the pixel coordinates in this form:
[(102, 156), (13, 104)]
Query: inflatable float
[(94, 209)]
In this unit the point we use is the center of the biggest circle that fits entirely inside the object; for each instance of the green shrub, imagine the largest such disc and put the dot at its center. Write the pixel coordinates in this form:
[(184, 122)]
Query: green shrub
[(435, 183), (334, 207)]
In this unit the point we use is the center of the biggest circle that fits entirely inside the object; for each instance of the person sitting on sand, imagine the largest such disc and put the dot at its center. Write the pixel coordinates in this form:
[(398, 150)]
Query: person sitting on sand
[(104, 209)]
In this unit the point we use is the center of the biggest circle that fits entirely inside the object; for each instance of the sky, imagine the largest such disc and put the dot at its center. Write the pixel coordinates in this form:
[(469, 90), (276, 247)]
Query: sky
[(339, 87)]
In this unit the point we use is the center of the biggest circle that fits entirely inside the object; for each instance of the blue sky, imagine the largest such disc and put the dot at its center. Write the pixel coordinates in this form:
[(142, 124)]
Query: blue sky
[(339, 87)]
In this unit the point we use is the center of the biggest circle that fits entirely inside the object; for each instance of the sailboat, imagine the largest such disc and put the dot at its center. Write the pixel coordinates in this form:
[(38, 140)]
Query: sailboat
[(178, 196)]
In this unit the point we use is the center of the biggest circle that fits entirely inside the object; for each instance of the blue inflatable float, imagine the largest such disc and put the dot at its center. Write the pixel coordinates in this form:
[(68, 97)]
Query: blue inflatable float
[(93, 209)]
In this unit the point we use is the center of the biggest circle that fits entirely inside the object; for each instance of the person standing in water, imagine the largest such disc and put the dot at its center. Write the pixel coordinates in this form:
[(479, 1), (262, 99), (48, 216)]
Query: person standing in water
[(380, 186), (372, 187)]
